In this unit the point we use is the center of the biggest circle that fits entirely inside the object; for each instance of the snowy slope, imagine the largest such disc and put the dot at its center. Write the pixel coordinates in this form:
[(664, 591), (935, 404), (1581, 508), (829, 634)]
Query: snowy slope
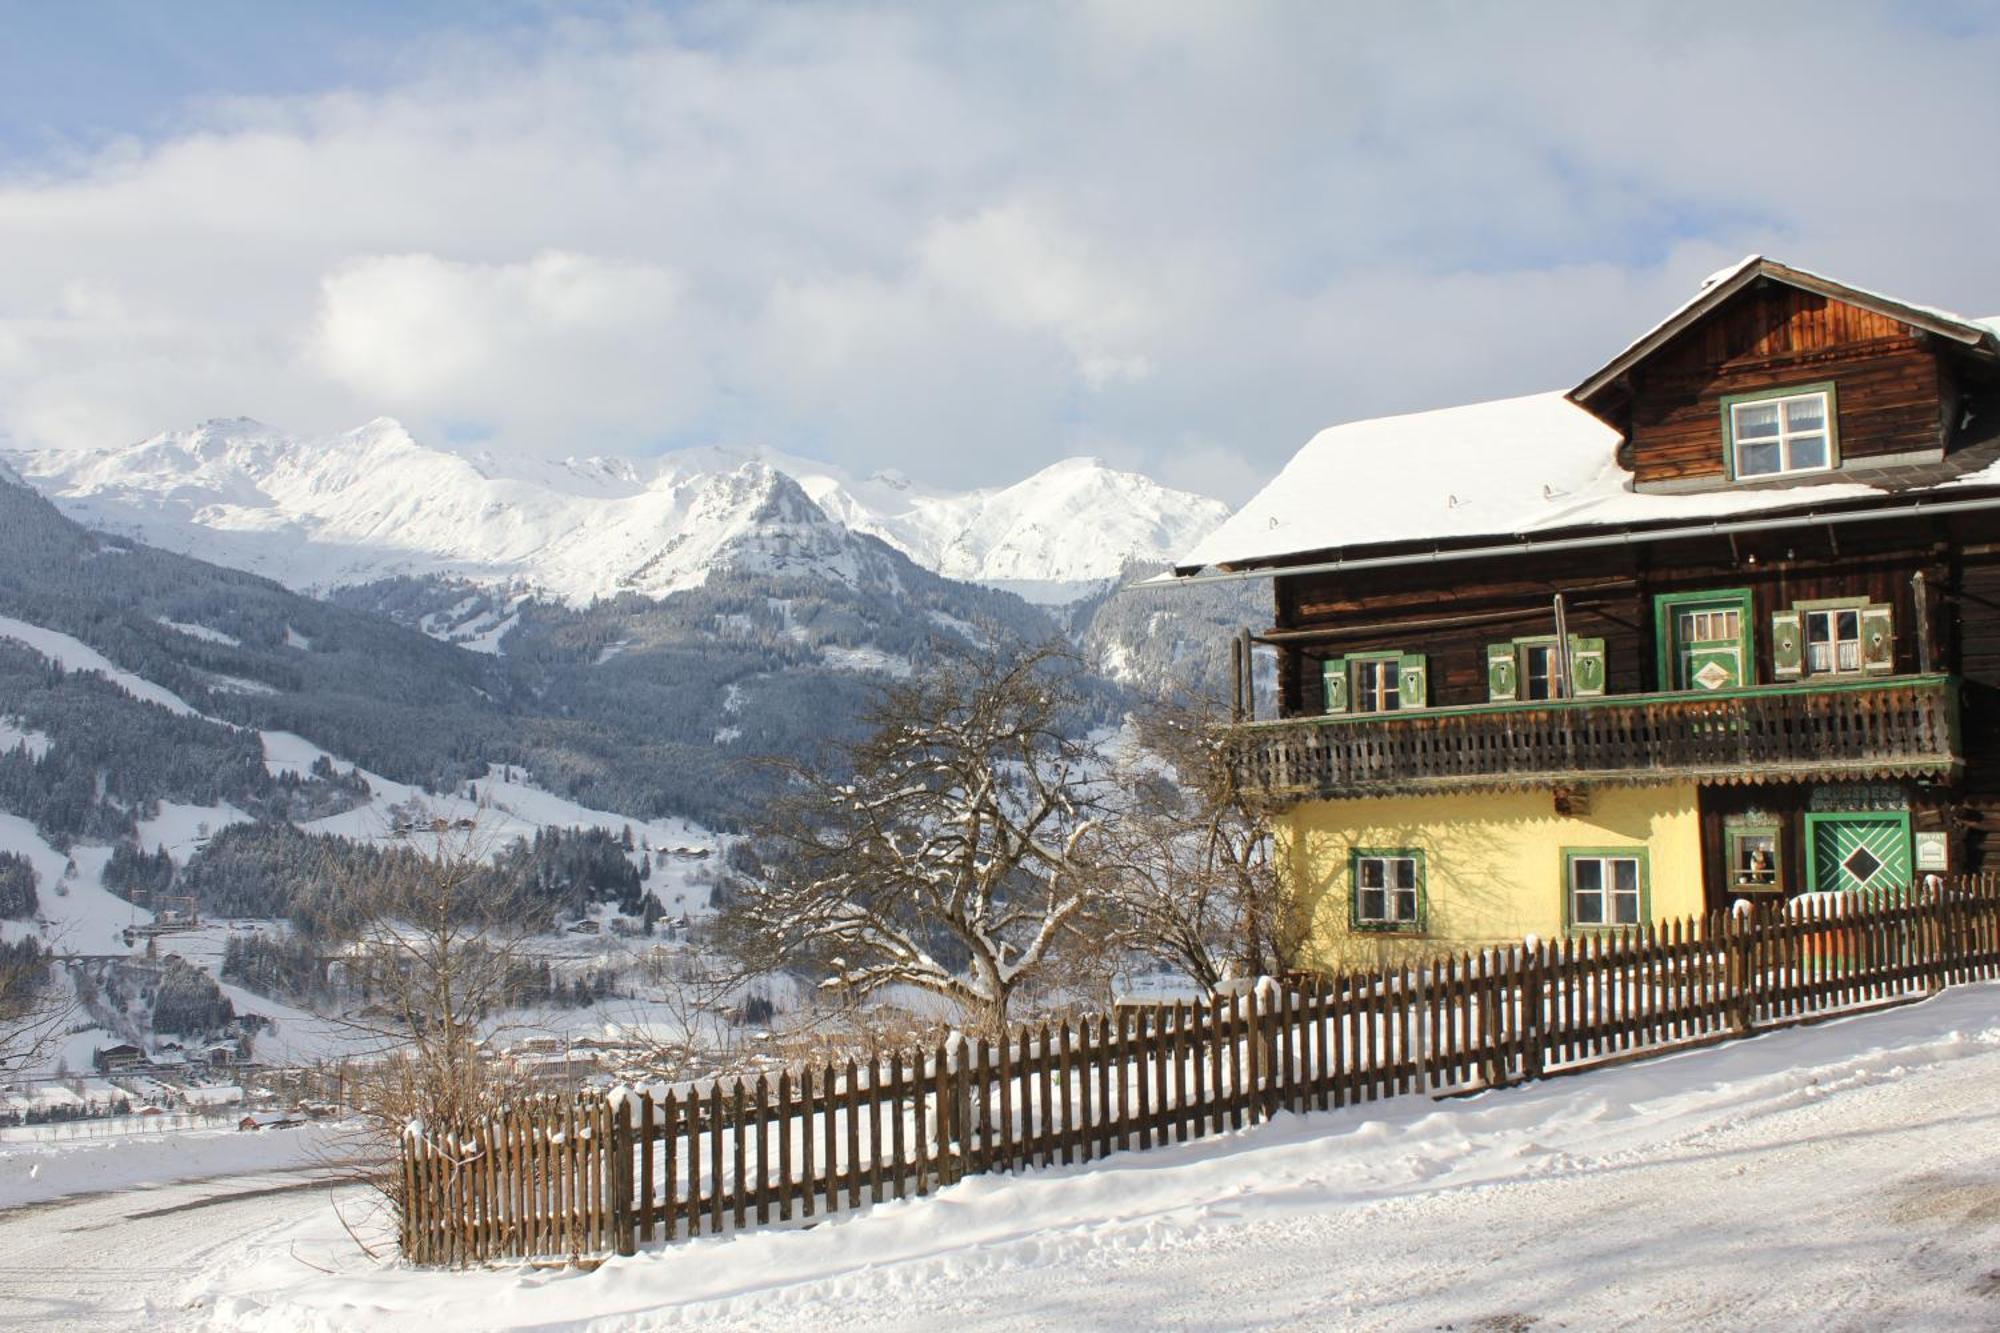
[(1821, 1177), (78, 914), (374, 503), (1050, 537)]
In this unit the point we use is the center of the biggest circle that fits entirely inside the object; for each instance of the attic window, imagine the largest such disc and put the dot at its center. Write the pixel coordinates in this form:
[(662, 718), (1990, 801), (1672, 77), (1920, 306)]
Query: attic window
[(1780, 432)]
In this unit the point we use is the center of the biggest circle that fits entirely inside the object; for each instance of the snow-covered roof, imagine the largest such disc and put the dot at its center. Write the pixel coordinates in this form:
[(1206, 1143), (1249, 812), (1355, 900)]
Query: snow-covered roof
[(1511, 468), (1518, 467)]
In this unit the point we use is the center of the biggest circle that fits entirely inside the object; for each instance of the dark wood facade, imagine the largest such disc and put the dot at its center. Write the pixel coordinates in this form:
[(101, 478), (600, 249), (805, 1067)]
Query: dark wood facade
[(1917, 732), (1451, 612), (1889, 382)]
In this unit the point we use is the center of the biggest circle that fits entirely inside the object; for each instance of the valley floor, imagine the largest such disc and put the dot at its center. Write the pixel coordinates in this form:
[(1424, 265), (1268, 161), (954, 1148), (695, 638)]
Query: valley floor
[(1844, 1175)]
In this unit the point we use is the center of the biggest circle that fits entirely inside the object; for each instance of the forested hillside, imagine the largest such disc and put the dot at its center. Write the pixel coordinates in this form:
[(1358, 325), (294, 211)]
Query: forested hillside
[(633, 705)]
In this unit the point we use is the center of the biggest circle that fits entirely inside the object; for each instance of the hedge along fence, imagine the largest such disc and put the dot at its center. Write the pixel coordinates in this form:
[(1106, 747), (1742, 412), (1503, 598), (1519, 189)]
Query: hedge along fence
[(601, 1173)]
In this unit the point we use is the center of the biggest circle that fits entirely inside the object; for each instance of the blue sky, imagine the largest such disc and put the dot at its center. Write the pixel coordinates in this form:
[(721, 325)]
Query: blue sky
[(961, 241)]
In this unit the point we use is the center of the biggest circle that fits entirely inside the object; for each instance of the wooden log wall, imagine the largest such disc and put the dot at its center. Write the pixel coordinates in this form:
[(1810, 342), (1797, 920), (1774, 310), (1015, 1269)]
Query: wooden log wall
[(592, 1175), (1890, 394), (1450, 612)]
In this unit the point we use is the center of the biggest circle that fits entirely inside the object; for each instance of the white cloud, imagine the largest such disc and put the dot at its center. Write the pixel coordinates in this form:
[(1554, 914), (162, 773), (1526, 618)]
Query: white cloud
[(1030, 272), (965, 240), (557, 339)]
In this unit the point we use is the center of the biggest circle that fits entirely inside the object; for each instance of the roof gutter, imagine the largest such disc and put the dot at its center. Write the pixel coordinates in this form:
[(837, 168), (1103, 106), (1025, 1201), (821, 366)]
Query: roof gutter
[(1529, 545)]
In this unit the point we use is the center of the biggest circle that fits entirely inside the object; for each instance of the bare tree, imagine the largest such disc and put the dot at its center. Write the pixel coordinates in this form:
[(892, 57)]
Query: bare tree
[(437, 937), (1194, 882), (950, 849)]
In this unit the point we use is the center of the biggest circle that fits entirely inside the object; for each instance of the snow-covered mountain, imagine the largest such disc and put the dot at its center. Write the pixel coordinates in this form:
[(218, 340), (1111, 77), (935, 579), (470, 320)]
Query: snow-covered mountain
[(374, 503)]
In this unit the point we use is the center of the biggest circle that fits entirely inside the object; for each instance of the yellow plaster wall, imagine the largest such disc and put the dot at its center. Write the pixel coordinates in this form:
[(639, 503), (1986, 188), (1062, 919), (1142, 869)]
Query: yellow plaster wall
[(1493, 863)]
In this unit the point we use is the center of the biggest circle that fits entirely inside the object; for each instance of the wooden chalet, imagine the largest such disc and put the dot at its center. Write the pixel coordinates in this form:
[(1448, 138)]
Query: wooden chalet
[(1721, 621)]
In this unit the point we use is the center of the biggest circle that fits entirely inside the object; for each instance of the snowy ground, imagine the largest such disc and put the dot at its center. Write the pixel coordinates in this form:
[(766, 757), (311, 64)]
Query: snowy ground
[(1843, 1175), (39, 1163)]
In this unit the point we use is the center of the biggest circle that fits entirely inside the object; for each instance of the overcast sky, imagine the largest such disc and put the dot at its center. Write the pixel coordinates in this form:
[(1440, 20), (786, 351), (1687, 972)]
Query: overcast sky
[(958, 240)]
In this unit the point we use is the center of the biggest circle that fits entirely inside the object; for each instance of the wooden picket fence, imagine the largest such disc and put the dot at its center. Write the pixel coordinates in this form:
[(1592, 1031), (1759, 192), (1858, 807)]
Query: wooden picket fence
[(599, 1173)]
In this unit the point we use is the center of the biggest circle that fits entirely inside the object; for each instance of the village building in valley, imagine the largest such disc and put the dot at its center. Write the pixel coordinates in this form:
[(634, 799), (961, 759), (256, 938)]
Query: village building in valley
[(1721, 622)]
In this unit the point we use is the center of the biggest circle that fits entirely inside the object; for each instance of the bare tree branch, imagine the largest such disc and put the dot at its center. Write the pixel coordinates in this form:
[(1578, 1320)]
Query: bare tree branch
[(1193, 881), (951, 849)]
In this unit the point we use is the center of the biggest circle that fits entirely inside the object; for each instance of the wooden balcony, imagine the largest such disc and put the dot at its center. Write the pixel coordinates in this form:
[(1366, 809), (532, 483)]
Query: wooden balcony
[(1897, 727)]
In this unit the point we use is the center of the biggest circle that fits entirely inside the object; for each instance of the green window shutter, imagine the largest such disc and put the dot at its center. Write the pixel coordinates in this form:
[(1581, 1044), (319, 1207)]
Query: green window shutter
[(1500, 672), (1586, 660), (1788, 644), (1413, 682), (1334, 673), (1878, 639)]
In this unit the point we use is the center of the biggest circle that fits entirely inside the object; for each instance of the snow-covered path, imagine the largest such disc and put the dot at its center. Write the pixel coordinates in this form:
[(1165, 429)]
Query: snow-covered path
[(120, 1260), (1845, 1175)]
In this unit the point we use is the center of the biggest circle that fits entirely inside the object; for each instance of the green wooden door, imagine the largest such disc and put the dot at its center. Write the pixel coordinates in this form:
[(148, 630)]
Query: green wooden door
[(1708, 646), (1858, 853)]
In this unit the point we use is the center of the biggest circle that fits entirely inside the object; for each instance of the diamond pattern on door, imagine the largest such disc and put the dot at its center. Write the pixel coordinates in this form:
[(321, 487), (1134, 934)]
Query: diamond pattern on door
[(1862, 864), (1851, 853), (1713, 676)]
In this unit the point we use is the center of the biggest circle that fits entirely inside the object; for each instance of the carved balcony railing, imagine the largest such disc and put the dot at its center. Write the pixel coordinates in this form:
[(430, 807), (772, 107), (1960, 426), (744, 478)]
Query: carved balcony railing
[(1904, 726)]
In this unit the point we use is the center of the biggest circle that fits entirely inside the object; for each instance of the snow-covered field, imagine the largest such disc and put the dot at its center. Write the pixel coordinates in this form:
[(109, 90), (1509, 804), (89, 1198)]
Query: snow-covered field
[(43, 1162), (1841, 1176)]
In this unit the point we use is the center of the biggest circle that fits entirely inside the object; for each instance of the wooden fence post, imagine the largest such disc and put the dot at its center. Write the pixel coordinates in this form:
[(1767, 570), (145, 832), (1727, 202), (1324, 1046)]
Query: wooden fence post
[(1740, 974), (954, 1113), (1531, 1010), (1264, 1005), (1489, 1021), (624, 1224)]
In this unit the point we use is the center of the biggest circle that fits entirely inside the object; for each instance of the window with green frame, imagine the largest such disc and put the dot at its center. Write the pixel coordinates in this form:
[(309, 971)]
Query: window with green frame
[(1388, 889), (1756, 857), (1780, 432), (1375, 682), (1833, 636), (1531, 668), (1704, 640), (1605, 888)]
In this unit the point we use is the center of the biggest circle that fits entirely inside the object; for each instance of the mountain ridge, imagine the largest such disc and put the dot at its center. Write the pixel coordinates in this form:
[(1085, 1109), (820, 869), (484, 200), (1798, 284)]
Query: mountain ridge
[(374, 503)]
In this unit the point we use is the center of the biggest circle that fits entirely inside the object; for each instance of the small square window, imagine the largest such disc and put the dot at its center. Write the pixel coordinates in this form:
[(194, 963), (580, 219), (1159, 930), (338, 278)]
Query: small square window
[(1606, 889), (1779, 436), (1378, 685), (1754, 865), (1833, 640), (1388, 890)]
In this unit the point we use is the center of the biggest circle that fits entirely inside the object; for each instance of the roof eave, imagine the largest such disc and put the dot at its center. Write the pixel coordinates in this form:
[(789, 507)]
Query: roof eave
[(1805, 514), (1970, 335)]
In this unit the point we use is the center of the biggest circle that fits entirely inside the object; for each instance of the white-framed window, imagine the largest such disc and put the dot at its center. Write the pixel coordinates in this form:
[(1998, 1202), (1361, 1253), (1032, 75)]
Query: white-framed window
[(1606, 888), (1778, 436), (1833, 640), (1388, 890), (1378, 685)]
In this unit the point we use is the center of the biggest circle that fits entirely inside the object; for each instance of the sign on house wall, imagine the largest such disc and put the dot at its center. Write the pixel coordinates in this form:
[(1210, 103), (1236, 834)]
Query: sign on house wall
[(1843, 797)]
